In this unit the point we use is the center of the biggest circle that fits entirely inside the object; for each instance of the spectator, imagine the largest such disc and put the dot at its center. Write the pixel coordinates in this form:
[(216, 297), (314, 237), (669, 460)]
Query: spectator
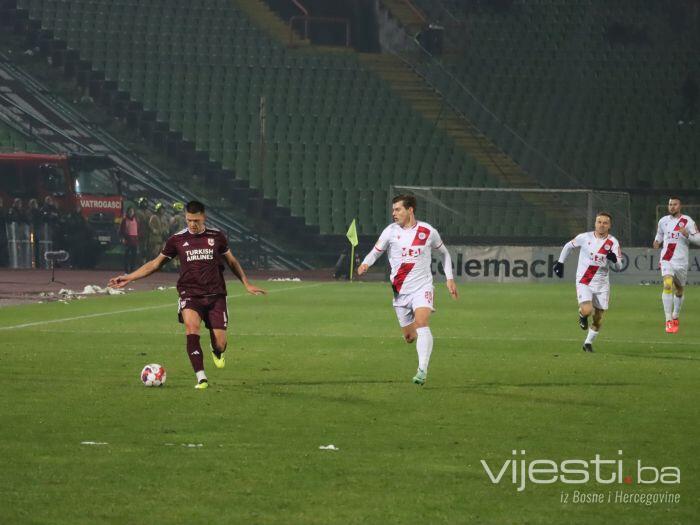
[(33, 214), (49, 211), (17, 213), (18, 233), (143, 216), (76, 237), (129, 232), (158, 233), (45, 229), (177, 221), (34, 219)]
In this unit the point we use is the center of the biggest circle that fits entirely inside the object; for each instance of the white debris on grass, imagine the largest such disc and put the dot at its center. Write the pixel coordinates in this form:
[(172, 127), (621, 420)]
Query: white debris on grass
[(90, 289), (285, 279), (328, 447), (97, 443)]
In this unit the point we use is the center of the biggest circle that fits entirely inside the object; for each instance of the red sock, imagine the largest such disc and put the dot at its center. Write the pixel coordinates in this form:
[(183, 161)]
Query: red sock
[(194, 351)]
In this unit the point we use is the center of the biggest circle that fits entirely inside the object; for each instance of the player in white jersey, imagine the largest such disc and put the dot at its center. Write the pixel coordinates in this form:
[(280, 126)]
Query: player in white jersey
[(598, 251), (409, 244), (676, 231)]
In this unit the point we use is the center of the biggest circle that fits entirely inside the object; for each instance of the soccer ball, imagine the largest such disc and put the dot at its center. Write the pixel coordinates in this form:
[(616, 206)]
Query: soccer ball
[(153, 375)]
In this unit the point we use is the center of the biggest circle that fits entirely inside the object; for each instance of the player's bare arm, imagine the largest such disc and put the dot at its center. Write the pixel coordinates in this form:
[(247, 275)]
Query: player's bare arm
[(147, 269), (237, 270), (362, 269)]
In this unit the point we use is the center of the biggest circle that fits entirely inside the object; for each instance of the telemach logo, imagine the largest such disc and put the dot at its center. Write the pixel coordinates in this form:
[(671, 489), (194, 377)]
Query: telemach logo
[(519, 268), (521, 470)]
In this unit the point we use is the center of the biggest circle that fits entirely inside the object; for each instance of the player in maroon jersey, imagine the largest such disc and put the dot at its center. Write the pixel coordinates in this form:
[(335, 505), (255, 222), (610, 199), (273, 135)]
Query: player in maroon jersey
[(202, 253)]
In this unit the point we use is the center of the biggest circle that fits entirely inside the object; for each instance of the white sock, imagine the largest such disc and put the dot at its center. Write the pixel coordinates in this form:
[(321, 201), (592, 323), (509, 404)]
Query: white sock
[(200, 375), (592, 334), (667, 299), (677, 303), (424, 347)]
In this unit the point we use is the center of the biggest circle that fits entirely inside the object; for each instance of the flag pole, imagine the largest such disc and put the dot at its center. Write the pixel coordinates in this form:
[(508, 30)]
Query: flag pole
[(352, 238), (352, 260)]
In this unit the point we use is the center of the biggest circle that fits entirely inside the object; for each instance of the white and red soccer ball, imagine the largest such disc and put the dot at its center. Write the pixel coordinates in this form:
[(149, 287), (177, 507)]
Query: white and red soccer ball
[(153, 375)]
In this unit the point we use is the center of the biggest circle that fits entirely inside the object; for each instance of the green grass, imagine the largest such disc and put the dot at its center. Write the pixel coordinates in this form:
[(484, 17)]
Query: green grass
[(313, 364)]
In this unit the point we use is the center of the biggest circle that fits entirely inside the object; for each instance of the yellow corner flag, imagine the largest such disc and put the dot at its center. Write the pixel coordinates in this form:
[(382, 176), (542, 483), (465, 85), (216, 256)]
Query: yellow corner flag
[(352, 237), (352, 234)]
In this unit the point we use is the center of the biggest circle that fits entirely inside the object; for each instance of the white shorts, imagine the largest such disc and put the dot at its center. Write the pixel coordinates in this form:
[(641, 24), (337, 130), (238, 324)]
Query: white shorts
[(599, 296), (406, 303), (679, 273)]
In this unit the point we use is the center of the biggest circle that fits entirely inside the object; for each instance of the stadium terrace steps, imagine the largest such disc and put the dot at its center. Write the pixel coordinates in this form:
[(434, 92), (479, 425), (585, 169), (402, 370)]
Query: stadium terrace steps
[(407, 13), (260, 13), (414, 90)]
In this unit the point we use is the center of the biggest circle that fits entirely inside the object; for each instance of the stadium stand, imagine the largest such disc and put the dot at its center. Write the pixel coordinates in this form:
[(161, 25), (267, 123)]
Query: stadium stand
[(563, 76), (336, 137), (12, 141), (605, 90)]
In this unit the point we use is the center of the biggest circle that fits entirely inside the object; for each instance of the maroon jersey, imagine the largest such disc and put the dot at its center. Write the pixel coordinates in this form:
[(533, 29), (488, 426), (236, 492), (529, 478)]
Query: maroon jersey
[(201, 261)]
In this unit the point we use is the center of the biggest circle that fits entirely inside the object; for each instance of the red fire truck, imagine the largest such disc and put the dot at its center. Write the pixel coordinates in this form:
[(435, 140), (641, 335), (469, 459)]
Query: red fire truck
[(90, 182)]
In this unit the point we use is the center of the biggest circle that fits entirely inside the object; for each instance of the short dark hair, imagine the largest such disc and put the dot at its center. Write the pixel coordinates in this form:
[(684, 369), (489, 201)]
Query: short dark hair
[(674, 198), (604, 214), (194, 207), (408, 201)]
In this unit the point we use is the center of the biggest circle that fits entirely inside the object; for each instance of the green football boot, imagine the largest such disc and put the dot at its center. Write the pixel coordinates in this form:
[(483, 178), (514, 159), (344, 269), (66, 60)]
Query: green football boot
[(420, 377)]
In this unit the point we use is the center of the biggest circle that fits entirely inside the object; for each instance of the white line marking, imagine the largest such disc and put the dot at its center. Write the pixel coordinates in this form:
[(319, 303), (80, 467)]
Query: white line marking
[(131, 310)]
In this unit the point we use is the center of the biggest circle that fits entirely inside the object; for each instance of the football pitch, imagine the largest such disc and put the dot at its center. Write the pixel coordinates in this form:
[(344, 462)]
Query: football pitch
[(315, 364)]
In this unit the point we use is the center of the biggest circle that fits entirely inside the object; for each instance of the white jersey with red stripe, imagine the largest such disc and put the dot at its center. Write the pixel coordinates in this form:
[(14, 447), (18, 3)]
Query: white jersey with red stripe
[(410, 254), (675, 247), (592, 258)]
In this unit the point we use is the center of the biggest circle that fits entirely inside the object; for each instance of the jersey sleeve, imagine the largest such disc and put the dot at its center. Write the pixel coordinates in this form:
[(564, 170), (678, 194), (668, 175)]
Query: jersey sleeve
[(691, 227), (659, 232), (170, 248), (223, 244), (579, 240), (383, 241), (617, 249), (379, 248), (436, 241)]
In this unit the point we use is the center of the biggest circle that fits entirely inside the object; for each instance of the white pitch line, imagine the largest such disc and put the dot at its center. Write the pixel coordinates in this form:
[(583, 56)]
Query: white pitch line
[(131, 310)]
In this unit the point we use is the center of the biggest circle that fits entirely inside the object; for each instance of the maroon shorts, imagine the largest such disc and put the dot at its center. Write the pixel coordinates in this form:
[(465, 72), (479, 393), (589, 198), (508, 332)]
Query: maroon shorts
[(212, 309)]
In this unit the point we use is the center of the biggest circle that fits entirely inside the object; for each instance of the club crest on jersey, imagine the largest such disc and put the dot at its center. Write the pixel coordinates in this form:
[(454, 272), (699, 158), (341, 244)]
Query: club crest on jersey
[(210, 241), (422, 236)]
